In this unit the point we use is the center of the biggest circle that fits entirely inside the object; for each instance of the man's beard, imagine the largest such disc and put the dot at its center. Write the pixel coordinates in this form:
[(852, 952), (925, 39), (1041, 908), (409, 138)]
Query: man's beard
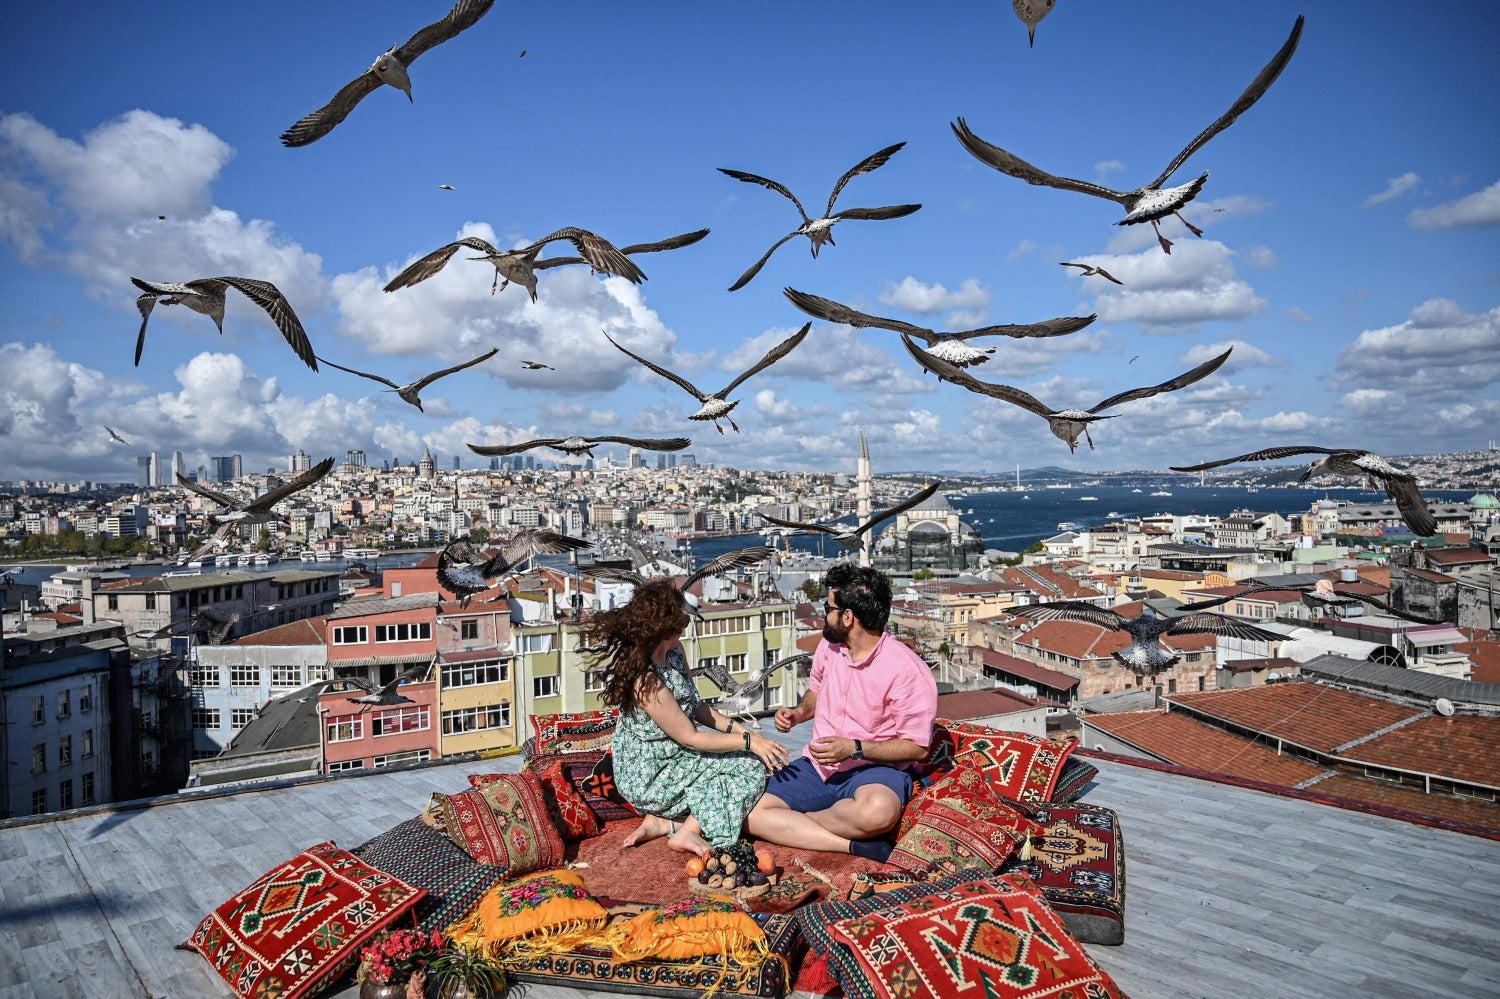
[(833, 633)]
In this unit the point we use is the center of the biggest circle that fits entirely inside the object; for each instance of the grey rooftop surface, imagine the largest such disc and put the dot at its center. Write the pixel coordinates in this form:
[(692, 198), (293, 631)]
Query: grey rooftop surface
[(1232, 892)]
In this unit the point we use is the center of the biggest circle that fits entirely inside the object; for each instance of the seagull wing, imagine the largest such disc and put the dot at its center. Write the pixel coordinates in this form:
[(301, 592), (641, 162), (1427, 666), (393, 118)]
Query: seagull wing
[(1253, 93), (797, 524), (618, 574), (773, 355), (963, 379), (906, 504), (1265, 454), (218, 539), (717, 673), (1009, 163), (362, 374), (1249, 589), (872, 162), (729, 561), (1045, 328), (751, 178), (429, 379), (435, 261), (1381, 605), (672, 243), (312, 127), (413, 675), (498, 450), (1170, 385), (600, 254), (749, 275), (271, 497), (223, 499), (1403, 489), (888, 212), (1072, 610), (463, 15), (673, 376), (145, 303), (647, 443), (540, 541), (835, 312), (269, 297), (1216, 624)]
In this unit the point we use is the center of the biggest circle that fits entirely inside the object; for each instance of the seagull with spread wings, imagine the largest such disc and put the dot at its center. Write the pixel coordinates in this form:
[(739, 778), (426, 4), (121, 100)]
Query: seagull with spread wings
[(716, 405), (576, 445), (520, 265), (951, 347), (1151, 203), (537, 366), (820, 230), (740, 697), (207, 295), (259, 510), (1089, 270), (1066, 424), (411, 391), (383, 695), (744, 558), (1399, 484), (849, 536), (389, 69), (670, 243), (116, 438), (466, 568), (1323, 592), (1144, 656)]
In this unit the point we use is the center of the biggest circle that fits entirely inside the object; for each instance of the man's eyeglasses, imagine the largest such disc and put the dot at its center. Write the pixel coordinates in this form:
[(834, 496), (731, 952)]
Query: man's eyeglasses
[(829, 608)]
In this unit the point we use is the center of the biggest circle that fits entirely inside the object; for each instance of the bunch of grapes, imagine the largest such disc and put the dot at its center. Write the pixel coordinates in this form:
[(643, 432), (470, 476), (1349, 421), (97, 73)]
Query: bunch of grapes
[(734, 867)]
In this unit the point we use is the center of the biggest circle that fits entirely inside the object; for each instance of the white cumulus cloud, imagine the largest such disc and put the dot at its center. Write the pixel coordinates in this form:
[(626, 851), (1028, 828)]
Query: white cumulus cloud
[(1479, 208), (926, 299), (1394, 188)]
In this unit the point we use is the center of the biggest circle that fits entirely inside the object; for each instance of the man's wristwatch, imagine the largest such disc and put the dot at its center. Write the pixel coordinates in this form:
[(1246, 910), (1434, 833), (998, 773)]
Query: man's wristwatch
[(859, 750)]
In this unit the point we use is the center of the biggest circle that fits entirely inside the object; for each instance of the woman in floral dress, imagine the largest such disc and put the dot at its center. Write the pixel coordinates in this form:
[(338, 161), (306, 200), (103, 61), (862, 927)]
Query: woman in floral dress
[(694, 784)]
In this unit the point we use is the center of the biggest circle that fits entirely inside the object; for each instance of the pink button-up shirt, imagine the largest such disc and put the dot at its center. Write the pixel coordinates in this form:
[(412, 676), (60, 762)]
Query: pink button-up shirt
[(890, 694)]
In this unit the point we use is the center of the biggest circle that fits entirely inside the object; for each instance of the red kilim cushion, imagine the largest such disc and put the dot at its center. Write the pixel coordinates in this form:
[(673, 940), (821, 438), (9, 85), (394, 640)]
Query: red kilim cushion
[(301, 924), (1017, 765), (994, 937), (504, 821), (573, 733), (946, 837), (966, 789), (575, 819)]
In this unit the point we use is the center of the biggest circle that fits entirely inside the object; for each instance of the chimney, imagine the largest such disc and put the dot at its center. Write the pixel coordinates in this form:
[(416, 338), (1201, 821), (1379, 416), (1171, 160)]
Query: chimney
[(1348, 575), (86, 599)]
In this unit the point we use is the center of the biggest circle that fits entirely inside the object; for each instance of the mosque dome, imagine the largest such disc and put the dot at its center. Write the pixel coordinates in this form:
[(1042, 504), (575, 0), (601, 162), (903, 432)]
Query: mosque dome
[(1484, 501)]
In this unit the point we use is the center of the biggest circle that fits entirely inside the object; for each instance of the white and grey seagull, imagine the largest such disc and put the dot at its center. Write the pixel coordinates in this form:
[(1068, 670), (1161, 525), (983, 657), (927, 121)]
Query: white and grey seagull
[(1399, 484), (1323, 592), (537, 366), (116, 438), (951, 347), (744, 558), (520, 265), (1031, 13), (1144, 656), (466, 568), (1066, 424), (849, 536), (741, 696), (716, 405), (388, 69), (238, 512), (207, 295), (820, 230), (577, 445), (1089, 270), (410, 392), (383, 695), (1150, 203)]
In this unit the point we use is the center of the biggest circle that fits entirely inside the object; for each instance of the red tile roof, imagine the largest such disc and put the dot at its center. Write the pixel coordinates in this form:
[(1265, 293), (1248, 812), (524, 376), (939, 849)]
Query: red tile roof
[(1256, 665), (308, 631), (1456, 556), (1077, 640), (1428, 574), (965, 704), (1176, 738), (1319, 717), (1484, 652), (1461, 747), (1026, 670), (1470, 810)]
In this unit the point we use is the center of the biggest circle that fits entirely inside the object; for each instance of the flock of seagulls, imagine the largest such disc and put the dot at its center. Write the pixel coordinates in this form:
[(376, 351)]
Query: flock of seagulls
[(576, 445), (466, 569)]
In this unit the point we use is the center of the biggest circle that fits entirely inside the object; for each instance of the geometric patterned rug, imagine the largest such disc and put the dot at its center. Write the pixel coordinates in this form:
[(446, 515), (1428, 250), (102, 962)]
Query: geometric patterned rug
[(1079, 863)]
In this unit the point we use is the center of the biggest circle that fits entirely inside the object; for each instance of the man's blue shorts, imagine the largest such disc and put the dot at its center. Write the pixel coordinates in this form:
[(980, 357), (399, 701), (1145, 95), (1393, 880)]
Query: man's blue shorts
[(799, 785)]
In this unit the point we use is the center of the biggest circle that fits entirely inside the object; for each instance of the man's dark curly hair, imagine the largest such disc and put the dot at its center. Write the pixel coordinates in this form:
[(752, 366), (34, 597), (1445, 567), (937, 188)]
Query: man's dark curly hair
[(864, 591), (620, 642)]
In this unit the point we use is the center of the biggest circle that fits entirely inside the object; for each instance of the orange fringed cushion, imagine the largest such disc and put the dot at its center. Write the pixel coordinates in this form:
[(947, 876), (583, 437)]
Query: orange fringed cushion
[(541, 914), (700, 926)]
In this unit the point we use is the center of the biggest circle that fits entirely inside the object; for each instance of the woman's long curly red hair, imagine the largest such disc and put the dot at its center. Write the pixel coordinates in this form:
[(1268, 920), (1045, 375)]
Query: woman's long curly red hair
[(619, 642)]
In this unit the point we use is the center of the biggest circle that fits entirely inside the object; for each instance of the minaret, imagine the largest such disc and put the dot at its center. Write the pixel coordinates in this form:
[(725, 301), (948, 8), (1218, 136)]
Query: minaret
[(863, 508)]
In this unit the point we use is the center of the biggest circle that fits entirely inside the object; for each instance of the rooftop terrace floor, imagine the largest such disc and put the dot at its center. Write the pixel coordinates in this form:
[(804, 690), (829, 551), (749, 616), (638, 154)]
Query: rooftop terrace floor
[(1232, 891)]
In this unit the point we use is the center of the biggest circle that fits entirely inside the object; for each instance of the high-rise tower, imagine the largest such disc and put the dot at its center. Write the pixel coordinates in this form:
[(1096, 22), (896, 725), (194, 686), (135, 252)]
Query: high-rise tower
[(863, 487)]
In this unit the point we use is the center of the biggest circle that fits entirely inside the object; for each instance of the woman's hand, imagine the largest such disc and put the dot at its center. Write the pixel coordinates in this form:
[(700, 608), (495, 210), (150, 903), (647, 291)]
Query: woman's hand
[(772, 753)]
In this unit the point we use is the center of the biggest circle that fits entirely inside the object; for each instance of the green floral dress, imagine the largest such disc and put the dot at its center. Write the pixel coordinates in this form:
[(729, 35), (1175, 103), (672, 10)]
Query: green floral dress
[(659, 776)]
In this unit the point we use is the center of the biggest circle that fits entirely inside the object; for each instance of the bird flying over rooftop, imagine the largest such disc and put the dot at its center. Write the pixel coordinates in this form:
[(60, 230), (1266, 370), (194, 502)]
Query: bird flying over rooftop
[(383, 695), (207, 295), (410, 392), (1324, 592), (849, 536), (258, 510), (739, 698), (1144, 656), (466, 568), (744, 558), (521, 265)]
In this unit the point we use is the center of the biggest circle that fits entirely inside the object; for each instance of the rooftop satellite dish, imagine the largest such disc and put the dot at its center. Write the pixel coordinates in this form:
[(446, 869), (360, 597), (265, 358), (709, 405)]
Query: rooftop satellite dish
[(1443, 706)]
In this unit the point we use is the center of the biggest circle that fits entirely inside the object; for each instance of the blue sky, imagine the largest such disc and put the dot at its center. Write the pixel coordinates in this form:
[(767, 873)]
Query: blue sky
[(1352, 223)]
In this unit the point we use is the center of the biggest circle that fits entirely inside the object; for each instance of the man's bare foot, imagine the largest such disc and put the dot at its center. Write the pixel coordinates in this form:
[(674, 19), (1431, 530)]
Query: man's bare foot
[(688, 841), (651, 827)]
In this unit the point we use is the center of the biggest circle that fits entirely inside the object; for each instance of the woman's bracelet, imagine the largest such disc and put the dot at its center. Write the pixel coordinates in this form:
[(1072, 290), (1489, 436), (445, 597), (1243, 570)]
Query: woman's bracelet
[(747, 742)]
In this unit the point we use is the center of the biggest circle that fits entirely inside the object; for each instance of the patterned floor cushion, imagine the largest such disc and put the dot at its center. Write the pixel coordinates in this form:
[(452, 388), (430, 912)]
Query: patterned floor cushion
[(301, 924), (1073, 780), (512, 826), (1079, 863), (575, 819), (1016, 765), (426, 858), (573, 733), (598, 789)]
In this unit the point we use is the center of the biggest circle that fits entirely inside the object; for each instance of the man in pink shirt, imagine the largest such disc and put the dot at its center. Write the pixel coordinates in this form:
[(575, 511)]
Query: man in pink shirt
[(873, 703)]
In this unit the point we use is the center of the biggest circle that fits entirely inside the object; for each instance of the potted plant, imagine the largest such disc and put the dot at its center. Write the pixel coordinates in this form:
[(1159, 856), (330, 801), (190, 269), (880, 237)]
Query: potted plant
[(394, 965), (466, 973)]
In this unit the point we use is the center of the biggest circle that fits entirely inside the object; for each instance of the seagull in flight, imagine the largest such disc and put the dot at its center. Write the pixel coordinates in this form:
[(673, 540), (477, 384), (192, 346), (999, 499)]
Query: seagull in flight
[(1152, 202), (1031, 13), (390, 69), (820, 230), (670, 243), (1066, 424), (536, 366), (716, 405), (238, 512), (383, 695), (521, 265), (466, 569), (739, 697), (1089, 270), (576, 445), (1144, 656), (445, 187), (204, 621), (1322, 592), (115, 437), (951, 347), (207, 295), (848, 536), (744, 558), (410, 392), (1399, 484)]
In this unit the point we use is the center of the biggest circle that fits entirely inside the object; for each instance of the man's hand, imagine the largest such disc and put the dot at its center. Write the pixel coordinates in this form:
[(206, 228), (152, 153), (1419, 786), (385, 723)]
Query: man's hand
[(788, 719), (831, 750)]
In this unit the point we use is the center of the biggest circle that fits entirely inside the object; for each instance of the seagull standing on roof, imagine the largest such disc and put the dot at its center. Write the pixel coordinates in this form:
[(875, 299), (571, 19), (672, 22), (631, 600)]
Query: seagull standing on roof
[(1150, 203), (1144, 656), (716, 405), (849, 536), (1399, 484), (820, 230), (207, 295), (951, 347), (521, 265), (410, 392), (389, 69), (1066, 424)]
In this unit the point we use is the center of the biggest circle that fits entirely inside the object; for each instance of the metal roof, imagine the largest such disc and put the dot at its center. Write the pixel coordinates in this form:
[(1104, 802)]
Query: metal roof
[(1406, 682), (369, 606)]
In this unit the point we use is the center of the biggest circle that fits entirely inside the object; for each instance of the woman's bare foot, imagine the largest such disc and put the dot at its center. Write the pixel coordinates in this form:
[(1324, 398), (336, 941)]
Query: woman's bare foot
[(687, 839), (651, 827)]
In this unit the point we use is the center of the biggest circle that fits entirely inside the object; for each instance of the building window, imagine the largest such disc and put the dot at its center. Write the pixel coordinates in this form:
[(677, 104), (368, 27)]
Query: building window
[(776, 619), (182, 600), (240, 717), (65, 794), (38, 710), (345, 728), (410, 756), (593, 680), (408, 718), (289, 675), (205, 719), (244, 675), (151, 601), (64, 750), (86, 743), (39, 758), (417, 631), (64, 703), (38, 801), (351, 635), (544, 686), (535, 643), (112, 602), (86, 790), (468, 629), (85, 700), (476, 719), (203, 675), (1171, 686), (735, 662), (344, 766), (474, 674), (705, 664), (772, 655)]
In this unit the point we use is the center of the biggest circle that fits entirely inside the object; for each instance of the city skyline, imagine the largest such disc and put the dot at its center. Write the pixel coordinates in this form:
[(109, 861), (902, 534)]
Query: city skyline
[(1351, 222)]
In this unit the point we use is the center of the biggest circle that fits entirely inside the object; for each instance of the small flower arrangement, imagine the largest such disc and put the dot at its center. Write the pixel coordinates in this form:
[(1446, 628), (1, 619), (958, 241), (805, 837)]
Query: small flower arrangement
[(398, 955)]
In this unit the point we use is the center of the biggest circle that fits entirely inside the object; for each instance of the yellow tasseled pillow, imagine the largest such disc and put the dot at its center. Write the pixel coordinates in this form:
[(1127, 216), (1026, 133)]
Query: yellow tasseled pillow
[(695, 927), (544, 913)]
